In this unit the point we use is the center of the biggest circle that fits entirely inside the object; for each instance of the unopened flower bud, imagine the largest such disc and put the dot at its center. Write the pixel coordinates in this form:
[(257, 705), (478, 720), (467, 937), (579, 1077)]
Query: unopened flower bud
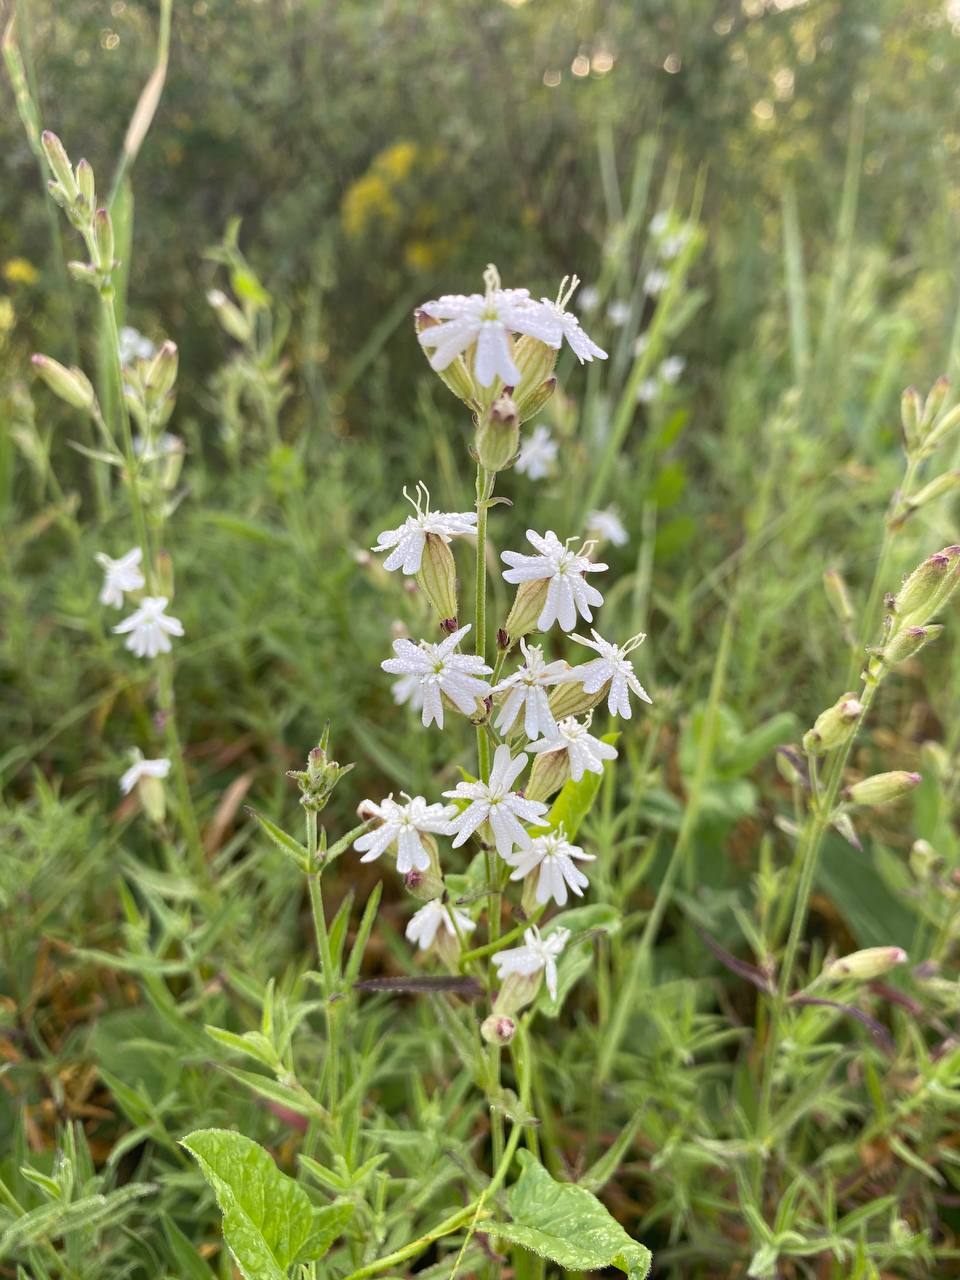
[(86, 185), (527, 607), (103, 231), (934, 401), (59, 163), (911, 411), (838, 596), (863, 966), (230, 316), (153, 798), (321, 775), (161, 375), (942, 429), (425, 886), (791, 766), (882, 788), (71, 385), (84, 273), (437, 576), (941, 485), (908, 641), (924, 859), (503, 638), (456, 376), (571, 699), (550, 771), (928, 588), (518, 990), (498, 435), (833, 727), (498, 1029), (531, 404), (935, 759)]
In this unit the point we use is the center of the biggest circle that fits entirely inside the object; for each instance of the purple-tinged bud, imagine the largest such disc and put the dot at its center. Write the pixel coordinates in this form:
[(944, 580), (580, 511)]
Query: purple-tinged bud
[(882, 788), (792, 767), (450, 625), (498, 1029), (834, 726), (503, 638), (928, 588), (908, 641), (424, 885), (864, 966)]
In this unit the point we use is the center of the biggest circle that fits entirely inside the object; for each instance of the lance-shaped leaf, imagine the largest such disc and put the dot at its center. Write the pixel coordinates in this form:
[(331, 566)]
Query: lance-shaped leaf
[(568, 1224)]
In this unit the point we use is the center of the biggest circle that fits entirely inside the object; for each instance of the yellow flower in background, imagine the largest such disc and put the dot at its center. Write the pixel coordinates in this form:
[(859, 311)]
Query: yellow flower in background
[(397, 161), (20, 271), (7, 319), (367, 201)]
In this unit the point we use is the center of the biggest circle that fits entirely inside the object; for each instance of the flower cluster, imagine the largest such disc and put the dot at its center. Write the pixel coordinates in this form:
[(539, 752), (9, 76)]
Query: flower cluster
[(534, 723)]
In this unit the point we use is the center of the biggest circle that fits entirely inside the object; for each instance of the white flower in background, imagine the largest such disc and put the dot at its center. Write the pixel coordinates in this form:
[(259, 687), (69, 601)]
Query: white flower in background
[(585, 753), (568, 592), (538, 453), (143, 769), (486, 319), (526, 690), (671, 369), (120, 576), (618, 313), (640, 344), (403, 825), (423, 924), (441, 671), (613, 666), (672, 245), (557, 860), (648, 391), (410, 538), (656, 282), (149, 629), (659, 223), (568, 326), (408, 689), (608, 526), (495, 803), (134, 346), (589, 297), (536, 953), (162, 447)]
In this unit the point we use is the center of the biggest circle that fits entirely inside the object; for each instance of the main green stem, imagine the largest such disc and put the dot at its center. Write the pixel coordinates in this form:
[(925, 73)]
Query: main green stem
[(327, 975)]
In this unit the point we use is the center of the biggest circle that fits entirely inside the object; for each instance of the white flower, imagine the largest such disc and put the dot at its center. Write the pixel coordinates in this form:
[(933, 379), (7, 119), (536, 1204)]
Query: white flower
[(568, 592), (618, 313), (526, 689), (554, 855), (608, 526), (589, 297), (164, 445), (120, 576), (568, 326), (495, 803), (487, 319), (671, 369), (143, 769), (409, 540), (640, 344), (648, 391), (659, 223), (585, 753), (538, 453), (441, 671), (423, 924), (408, 689), (672, 245), (134, 346), (149, 628), (612, 665), (403, 825), (656, 282), (537, 953)]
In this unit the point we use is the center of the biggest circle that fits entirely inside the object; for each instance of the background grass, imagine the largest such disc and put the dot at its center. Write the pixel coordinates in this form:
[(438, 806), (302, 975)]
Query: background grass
[(378, 154)]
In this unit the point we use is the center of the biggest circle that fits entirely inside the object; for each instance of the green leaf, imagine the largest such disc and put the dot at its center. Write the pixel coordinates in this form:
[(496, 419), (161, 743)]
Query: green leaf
[(328, 1225), (286, 843), (267, 1217), (568, 1224)]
